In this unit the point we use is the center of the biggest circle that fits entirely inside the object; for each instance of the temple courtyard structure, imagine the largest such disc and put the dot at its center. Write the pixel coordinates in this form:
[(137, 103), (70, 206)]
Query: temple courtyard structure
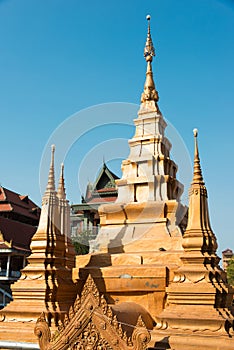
[(152, 279)]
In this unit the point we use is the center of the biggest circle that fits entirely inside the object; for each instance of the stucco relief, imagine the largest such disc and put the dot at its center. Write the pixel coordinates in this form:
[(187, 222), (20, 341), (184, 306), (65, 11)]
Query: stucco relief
[(91, 324)]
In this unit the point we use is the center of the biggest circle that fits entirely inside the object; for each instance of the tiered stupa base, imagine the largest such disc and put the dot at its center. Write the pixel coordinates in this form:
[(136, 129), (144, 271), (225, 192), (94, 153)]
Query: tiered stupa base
[(140, 227)]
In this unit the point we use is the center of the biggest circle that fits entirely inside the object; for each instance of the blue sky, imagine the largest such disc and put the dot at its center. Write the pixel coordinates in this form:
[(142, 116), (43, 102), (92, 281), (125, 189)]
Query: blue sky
[(58, 57)]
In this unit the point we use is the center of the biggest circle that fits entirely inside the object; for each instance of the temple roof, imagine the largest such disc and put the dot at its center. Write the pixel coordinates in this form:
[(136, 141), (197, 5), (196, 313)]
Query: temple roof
[(18, 232), (227, 251), (105, 179), (104, 186), (13, 202)]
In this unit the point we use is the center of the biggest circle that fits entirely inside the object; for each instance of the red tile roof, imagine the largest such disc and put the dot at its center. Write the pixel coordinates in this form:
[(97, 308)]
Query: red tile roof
[(22, 205), (19, 217), (4, 245), (102, 200), (19, 233), (107, 189), (5, 207), (227, 251)]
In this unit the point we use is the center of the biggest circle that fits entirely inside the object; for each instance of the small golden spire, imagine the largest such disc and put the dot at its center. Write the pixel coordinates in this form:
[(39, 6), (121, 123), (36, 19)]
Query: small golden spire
[(198, 235), (197, 172), (61, 187), (51, 178), (150, 93)]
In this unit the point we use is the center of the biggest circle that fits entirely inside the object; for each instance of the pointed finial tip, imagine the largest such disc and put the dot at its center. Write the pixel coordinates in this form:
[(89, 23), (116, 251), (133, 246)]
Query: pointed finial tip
[(148, 17), (52, 148), (195, 132)]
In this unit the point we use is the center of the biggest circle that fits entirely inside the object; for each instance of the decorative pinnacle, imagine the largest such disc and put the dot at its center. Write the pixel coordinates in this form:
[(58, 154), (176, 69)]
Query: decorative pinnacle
[(150, 93), (149, 51), (61, 187), (195, 132), (197, 173), (51, 179)]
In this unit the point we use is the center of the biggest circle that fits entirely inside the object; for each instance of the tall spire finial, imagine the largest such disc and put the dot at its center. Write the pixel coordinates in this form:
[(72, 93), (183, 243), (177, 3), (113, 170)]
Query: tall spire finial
[(150, 93), (61, 187), (51, 177), (149, 51), (197, 172)]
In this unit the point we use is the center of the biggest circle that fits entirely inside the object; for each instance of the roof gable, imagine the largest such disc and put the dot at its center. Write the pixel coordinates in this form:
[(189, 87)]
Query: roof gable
[(105, 179)]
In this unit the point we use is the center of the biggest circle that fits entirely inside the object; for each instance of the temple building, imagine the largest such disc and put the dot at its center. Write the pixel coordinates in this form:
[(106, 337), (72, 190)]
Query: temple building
[(19, 218), (12, 260), (85, 216), (46, 282), (227, 255), (152, 279)]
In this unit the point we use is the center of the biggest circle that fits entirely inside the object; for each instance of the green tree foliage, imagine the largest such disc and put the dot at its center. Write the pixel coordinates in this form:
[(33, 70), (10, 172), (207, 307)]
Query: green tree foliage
[(81, 243), (230, 272)]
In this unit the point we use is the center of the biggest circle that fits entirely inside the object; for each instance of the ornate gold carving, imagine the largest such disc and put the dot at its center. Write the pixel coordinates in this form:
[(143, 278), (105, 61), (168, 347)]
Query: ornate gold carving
[(42, 330), (90, 288), (104, 305), (77, 304), (90, 325), (140, 336), (140, 322), (109, 313)]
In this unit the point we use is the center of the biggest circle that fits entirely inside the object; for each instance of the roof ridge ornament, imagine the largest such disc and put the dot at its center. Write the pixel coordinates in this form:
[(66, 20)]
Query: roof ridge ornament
[(149, 97)]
